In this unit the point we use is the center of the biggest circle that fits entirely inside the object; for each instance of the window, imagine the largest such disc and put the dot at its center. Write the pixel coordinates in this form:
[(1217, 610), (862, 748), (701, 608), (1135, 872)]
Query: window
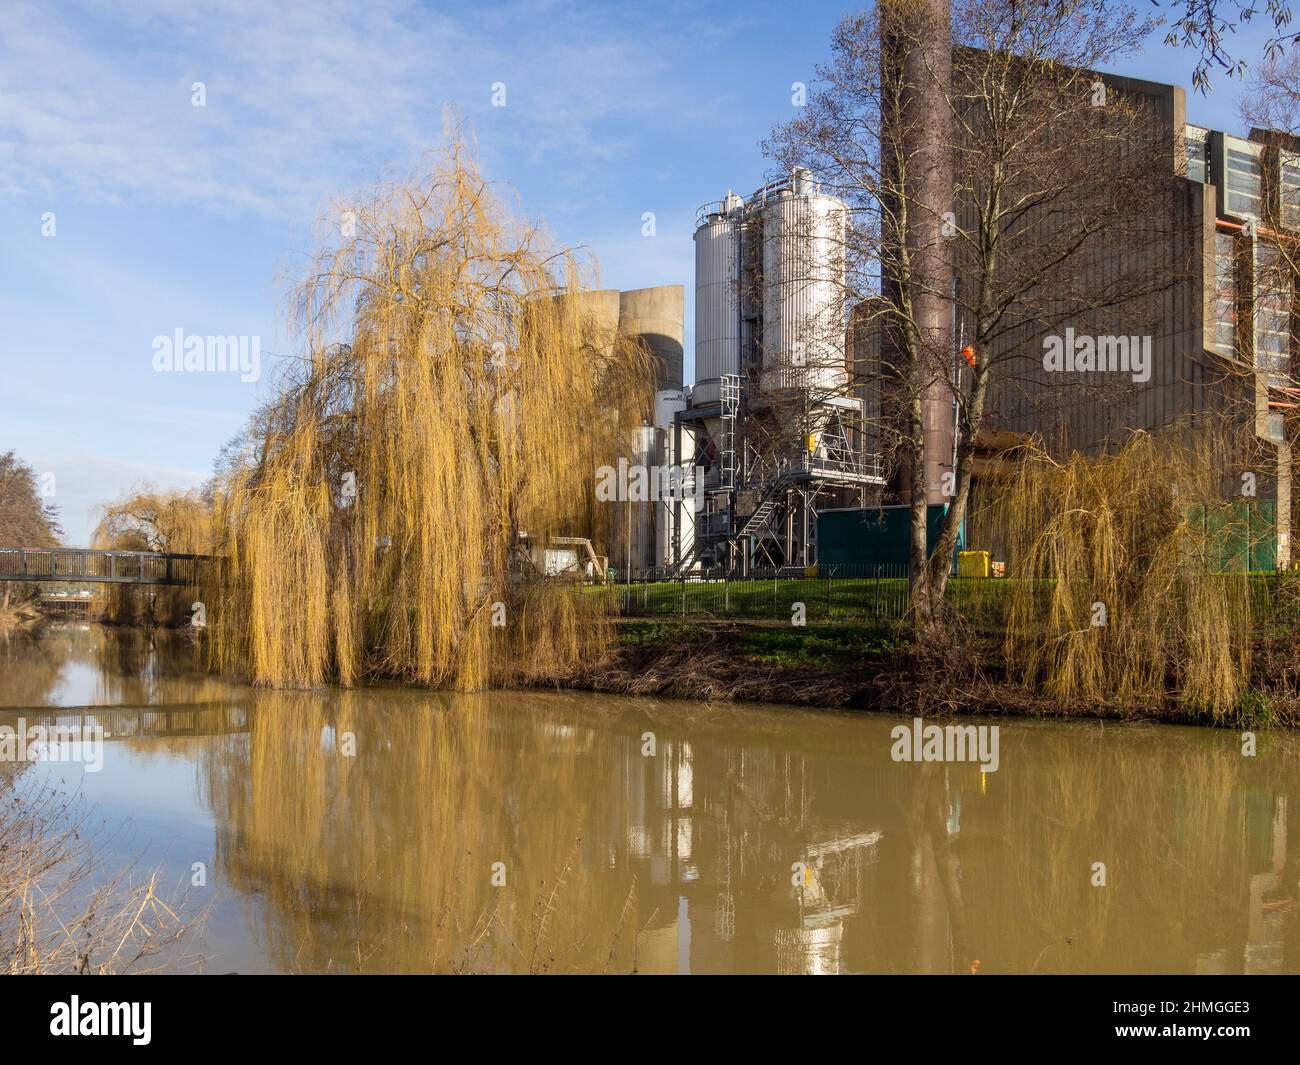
[(1272, 314), (1225, 295), (1290, 166), (1198, 153), (1243, 191)]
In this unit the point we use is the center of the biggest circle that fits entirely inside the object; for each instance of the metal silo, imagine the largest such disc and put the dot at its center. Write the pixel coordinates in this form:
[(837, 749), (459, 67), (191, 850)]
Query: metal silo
[(717, 297), (803, 288)]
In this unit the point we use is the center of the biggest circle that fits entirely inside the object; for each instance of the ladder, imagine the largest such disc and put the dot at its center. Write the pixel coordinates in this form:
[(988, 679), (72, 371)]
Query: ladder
[(730, 403)]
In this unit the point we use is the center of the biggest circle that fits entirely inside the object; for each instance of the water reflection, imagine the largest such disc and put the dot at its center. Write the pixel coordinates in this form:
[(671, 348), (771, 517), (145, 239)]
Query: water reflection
[(371, 830)]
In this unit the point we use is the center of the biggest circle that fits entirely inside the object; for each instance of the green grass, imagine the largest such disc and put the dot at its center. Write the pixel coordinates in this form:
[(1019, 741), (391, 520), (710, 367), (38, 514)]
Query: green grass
[(982, 601)]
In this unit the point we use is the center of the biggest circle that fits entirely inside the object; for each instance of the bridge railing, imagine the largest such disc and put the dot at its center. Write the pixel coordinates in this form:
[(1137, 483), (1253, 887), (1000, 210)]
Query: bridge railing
[(95, 566)]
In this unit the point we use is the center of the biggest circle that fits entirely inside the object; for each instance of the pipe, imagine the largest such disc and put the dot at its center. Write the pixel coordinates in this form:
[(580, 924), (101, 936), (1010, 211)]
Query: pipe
[(1223, 223)]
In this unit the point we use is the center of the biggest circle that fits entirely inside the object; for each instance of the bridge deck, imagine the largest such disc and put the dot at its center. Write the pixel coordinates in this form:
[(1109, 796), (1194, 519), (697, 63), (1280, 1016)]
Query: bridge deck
[(89, 566)]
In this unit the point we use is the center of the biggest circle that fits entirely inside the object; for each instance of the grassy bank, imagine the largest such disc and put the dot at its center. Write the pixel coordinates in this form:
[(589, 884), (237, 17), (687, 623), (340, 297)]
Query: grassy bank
[(874, 668)]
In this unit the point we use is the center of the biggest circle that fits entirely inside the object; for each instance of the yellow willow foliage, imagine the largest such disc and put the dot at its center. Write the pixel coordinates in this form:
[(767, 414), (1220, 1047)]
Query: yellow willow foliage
[(453, 397), (1126, 582), (152, 520)]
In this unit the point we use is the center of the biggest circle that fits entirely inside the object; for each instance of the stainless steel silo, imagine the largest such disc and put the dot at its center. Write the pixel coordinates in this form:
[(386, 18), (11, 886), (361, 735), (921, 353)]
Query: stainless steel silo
[(717, 298), (803, 289)]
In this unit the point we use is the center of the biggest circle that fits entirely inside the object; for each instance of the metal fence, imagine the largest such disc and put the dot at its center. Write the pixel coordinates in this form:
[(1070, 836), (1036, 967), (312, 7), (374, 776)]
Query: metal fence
[(879, 594), (871, 592)]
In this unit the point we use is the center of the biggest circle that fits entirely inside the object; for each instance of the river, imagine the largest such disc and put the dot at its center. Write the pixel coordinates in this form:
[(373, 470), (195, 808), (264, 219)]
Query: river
[(396, 830)]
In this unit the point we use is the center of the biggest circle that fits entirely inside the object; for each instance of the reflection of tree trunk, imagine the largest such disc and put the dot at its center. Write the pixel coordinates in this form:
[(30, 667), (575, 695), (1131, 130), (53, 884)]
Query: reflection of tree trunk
[(1264, 950), (948, 865), (941, 943), (940, 918)]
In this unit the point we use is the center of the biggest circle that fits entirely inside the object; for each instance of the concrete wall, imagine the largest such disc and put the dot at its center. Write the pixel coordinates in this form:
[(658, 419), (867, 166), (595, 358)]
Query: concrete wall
[(657, 315)]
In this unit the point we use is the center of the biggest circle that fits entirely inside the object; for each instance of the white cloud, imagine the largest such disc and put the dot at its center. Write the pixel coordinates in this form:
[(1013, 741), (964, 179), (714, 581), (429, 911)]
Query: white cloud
[(97, 100)]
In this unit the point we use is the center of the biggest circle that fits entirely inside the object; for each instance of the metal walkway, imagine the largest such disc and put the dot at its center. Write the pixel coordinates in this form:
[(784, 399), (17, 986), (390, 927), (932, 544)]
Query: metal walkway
[(86, 566)]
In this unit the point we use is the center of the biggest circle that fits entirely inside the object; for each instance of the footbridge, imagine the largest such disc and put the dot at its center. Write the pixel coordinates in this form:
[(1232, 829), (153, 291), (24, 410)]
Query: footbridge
[(88, 566)]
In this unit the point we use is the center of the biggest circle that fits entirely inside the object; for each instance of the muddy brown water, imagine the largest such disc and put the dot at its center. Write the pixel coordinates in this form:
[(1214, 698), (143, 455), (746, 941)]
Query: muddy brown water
[(395, 830)]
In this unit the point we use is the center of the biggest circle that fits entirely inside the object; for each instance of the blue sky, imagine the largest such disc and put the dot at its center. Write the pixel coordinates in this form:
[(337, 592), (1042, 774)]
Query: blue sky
[(169, 216)]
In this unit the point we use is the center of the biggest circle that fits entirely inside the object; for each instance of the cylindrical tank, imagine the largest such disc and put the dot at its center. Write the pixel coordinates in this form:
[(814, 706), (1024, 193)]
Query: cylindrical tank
[(803, 289), (670, 514), (667, 403), (641, 514), (595, 312), (657, 316), (717, 300)]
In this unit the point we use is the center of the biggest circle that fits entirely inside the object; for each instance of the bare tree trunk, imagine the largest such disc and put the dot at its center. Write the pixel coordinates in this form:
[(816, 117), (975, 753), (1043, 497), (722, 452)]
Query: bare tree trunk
[(939, 567), (922, 612)]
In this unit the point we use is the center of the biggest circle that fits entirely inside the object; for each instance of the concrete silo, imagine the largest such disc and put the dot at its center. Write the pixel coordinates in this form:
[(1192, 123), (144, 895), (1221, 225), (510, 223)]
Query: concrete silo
[(656, 317)]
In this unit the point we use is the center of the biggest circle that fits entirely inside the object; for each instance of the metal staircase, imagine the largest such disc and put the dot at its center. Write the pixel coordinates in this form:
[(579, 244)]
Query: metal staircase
[(753, 525), (761, 513)]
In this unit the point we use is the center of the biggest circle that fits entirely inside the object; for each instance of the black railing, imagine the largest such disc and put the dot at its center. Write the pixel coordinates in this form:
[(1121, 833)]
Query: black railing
[(99, 567)]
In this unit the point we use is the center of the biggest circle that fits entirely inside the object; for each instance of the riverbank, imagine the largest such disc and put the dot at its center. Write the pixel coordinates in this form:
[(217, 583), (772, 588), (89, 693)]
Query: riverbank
[(848, 667)]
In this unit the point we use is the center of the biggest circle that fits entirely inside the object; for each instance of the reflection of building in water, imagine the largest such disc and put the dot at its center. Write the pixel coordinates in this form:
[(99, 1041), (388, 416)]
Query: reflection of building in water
[(1267, 923), (1260, 947), (832, 890), (714, 845)]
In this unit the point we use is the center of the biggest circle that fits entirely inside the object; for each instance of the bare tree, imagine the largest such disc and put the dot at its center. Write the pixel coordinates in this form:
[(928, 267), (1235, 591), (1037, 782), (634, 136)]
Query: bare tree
[(1207, 26), (25, 521), (1050, 175)]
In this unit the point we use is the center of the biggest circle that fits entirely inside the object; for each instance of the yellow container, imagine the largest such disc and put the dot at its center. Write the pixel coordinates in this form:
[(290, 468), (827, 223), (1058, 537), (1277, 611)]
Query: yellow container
[(972, 563)]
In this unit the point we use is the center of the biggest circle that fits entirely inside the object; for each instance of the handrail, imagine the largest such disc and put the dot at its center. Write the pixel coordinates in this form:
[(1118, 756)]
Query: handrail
[(88, 565)]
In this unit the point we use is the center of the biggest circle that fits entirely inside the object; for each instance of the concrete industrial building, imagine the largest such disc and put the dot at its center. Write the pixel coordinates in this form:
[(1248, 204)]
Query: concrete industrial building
[(783, 431), (1223, 326)]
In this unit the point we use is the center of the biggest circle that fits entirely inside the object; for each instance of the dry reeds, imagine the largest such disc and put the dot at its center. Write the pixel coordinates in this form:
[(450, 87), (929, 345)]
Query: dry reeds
[(447, 403), (59, 913), (1126, 587)]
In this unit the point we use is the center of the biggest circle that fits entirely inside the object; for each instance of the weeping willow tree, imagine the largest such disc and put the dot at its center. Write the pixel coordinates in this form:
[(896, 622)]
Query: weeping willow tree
[(452, 398), (148, 519), (1128, 581)]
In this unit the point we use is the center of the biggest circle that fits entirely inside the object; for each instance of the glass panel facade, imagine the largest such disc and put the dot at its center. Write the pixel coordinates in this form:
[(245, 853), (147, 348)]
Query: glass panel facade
[(1198, 153), (1243, 192), (1272, 314), (1291, 191), (1225, 295)]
